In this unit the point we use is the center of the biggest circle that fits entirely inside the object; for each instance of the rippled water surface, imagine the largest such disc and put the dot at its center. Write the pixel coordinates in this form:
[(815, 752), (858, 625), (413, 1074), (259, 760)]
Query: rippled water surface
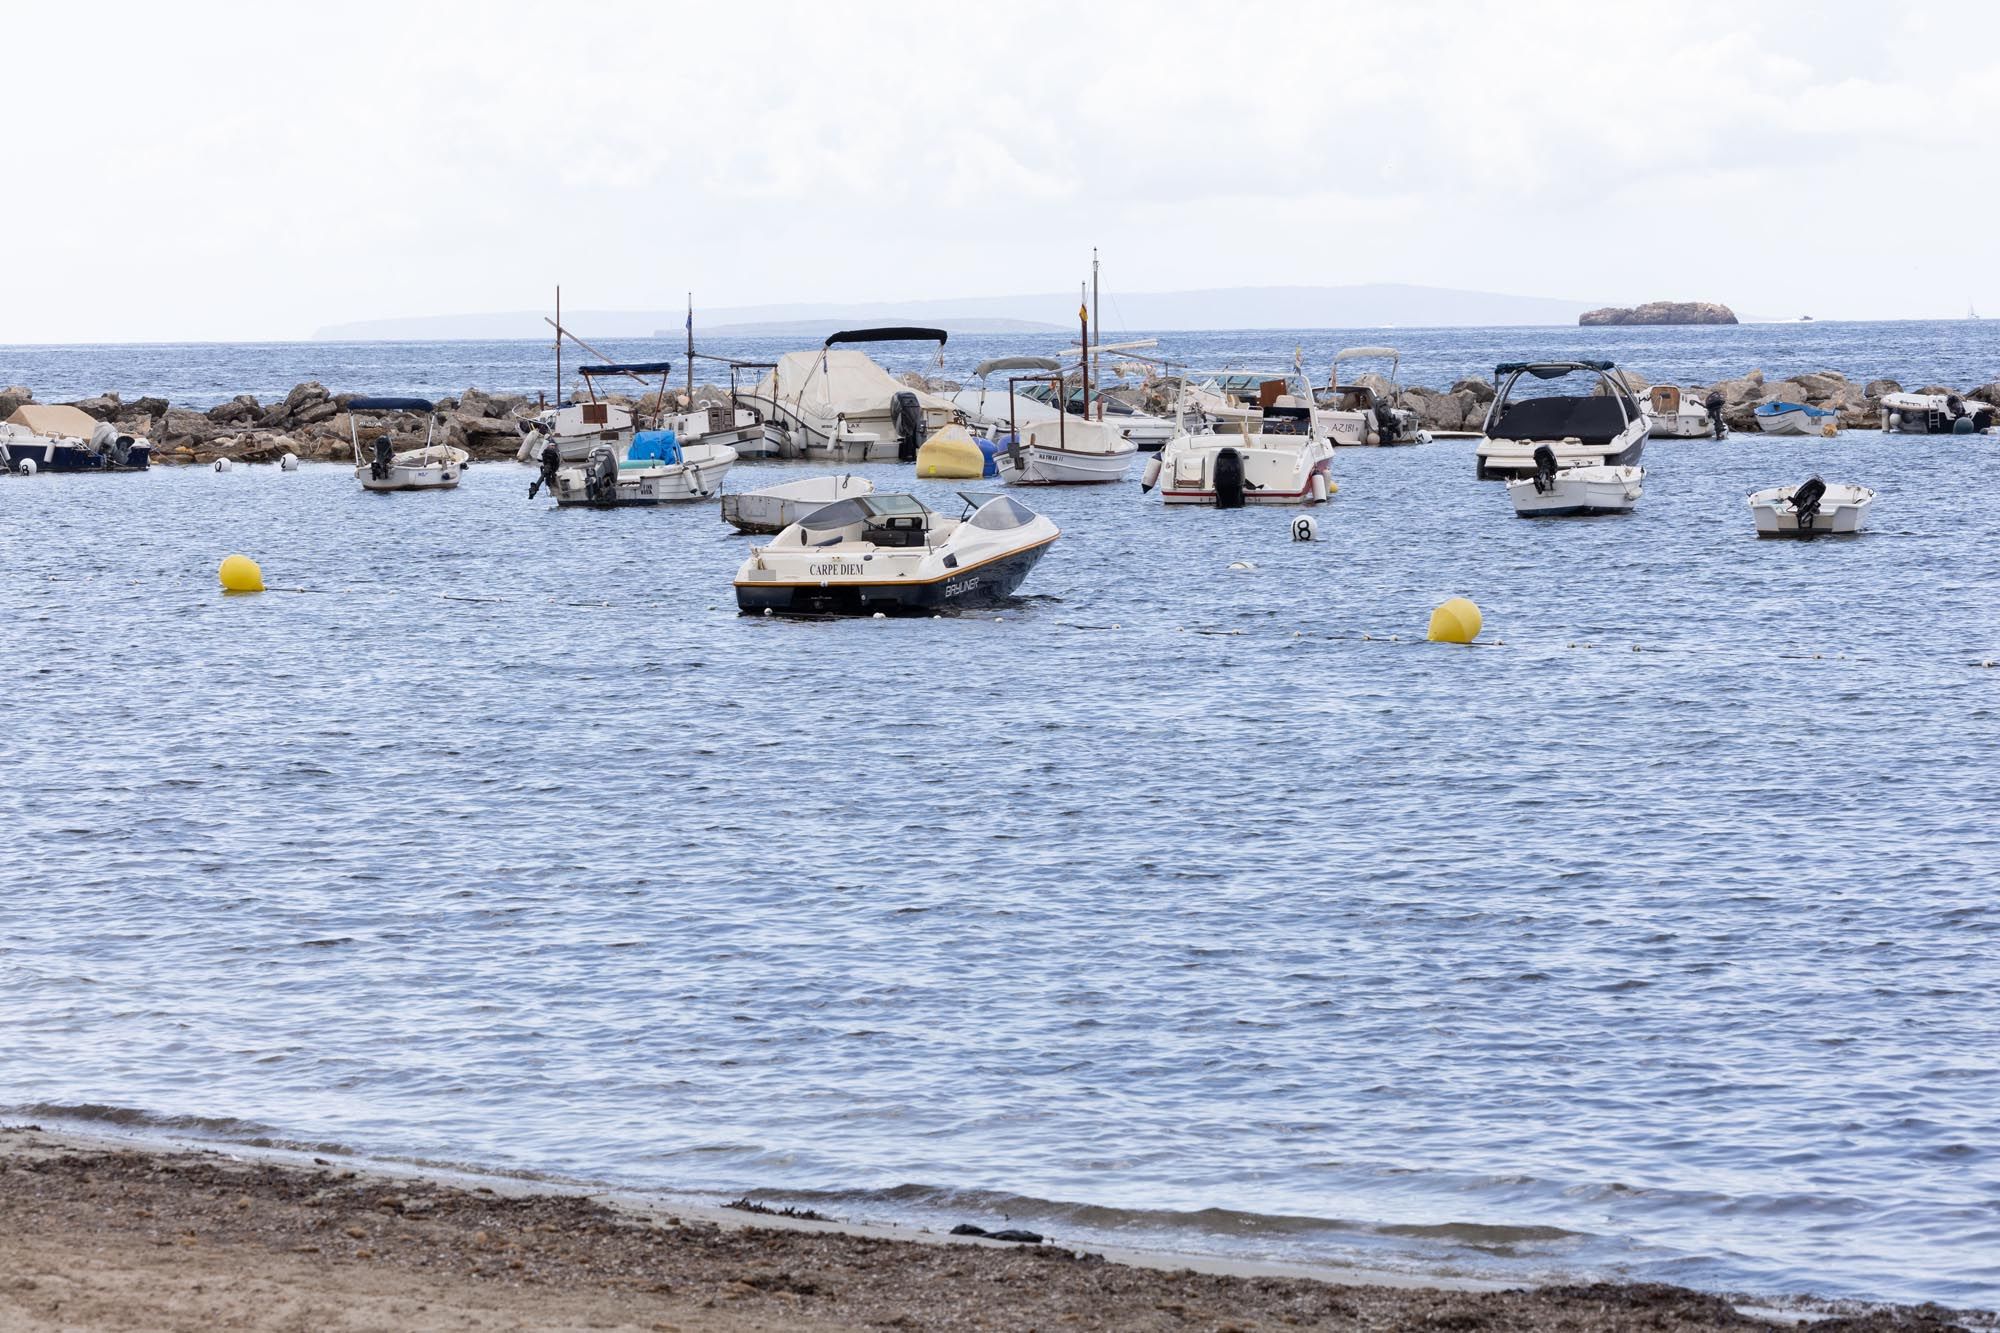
[(1655, 935)]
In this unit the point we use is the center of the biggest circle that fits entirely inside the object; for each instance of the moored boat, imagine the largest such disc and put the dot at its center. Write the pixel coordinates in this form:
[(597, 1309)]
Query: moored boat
[(431, 466), (55, 437), (1356, 415), (772, 509), (1568, 492), (1604, 426), (893, 554), (1672, 415), (1810, 509), (1781, 418), (1284, 460), (839, 406), (1935, 414)]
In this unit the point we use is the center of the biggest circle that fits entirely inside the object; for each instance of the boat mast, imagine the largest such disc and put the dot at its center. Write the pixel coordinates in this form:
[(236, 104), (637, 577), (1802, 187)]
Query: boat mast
[(1095, 318), (1083, 362), (559, 332), (690, 403)]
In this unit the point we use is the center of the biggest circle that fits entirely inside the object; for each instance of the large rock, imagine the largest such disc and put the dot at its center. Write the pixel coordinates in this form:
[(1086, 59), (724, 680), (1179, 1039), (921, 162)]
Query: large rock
[(304, 405), (1985, 393), (105, 407), (1481, 391), (1821, 385), (483, 437), (1660, 312), (180, 425), (1435, 411), (1876, 388), (477, 403), (239, 410), (12, 397)]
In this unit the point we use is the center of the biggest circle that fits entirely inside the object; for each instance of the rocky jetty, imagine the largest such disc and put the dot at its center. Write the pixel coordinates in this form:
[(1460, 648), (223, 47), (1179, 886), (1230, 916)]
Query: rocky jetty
[(1660, 312)]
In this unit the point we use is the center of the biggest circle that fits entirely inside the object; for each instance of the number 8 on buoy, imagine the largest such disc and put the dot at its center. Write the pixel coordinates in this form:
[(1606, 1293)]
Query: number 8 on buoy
[(1304, 529)]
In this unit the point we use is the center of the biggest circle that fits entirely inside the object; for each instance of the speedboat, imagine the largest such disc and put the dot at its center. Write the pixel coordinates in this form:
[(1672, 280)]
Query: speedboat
[(1226, 402), (655, 469), (1811, 509), (1672, 415), (839, 406), (1284, 460), (55, 437), (432, 466), (1935, 414), (775, 508), (1564, 492), (1778, 418), (1582, 429), (1355, 415), (892, 554)]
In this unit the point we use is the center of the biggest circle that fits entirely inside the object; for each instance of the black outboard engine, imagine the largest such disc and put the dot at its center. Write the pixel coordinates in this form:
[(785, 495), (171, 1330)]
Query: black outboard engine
[(385, 454), (1545, 469), (1385, 423), (600, 475), (1228, 479), (1714, 403), (907, 414), (551, 461), (1805, 503)]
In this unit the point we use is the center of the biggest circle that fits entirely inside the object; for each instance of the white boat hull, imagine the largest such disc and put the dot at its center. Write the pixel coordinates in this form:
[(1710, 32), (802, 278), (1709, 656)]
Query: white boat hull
[(433, 477), (1066, 452), (776, 508), (1500, 458), (1579, 491), (1285, 470), (669, 483), (1680, 426), (1841, 512), (1793, 423)]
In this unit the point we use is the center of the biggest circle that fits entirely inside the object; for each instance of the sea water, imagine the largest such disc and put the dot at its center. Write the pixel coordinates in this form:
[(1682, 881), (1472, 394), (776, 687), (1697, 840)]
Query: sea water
[(1655, 935)]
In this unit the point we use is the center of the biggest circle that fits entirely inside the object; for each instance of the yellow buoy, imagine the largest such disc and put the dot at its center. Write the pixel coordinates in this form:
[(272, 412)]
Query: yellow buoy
[(241, 574), (1457, 621)]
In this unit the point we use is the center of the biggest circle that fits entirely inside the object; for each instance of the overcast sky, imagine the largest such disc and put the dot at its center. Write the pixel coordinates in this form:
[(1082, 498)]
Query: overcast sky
[(214, 171)]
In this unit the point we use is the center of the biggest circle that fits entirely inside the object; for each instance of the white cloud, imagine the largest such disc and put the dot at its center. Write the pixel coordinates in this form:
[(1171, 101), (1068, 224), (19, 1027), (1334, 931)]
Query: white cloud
[(255, 171)]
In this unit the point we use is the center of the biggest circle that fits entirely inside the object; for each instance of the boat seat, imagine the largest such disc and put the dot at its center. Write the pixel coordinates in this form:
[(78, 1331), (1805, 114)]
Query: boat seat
[(1589, 419)]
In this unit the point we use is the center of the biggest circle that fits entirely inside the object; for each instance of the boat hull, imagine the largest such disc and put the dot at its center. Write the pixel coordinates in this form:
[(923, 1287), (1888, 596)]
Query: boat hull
[(1681, 426), (1793, 423), (771, 512), (1497, 460), (409, 478), (1575, 497), (1841, 513), (982, 585), (644, 487), (68, 456)]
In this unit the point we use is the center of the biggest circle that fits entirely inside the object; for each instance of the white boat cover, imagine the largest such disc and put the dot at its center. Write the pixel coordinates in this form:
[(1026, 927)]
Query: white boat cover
[(54, 419), (837, 381)]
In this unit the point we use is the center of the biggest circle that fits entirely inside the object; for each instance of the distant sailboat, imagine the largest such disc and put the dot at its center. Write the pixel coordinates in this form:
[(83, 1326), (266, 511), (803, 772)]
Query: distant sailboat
[(1971, 311)]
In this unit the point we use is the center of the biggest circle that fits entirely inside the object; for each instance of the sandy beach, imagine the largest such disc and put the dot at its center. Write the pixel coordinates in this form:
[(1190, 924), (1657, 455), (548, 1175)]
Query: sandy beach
[(96, 1234)]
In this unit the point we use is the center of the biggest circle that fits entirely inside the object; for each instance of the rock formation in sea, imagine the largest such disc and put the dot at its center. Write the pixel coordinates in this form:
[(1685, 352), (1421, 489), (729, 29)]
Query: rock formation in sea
[(1661, 312)]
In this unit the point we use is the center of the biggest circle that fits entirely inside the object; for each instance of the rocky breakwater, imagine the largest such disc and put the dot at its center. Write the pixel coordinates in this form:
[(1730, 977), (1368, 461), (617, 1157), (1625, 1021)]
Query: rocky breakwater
[(311, 421), (1660, 312)]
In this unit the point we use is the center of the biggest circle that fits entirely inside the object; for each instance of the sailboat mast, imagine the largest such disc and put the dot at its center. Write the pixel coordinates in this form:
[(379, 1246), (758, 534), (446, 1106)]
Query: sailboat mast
[(1097, 321), (1083, 362), (690, 326), (558, 397)]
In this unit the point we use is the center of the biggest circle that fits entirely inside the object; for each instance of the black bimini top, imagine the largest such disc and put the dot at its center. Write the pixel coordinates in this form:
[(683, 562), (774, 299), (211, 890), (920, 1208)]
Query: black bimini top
[(628, 368), (1549, 370), (391, 405), (898, 334)]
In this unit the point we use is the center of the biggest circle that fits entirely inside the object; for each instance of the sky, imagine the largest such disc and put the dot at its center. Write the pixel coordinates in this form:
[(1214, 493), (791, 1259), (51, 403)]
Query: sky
[(208, 171)]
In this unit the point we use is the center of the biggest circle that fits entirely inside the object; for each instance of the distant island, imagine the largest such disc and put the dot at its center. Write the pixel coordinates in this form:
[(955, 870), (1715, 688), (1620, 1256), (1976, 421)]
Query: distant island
[(1660, 312)]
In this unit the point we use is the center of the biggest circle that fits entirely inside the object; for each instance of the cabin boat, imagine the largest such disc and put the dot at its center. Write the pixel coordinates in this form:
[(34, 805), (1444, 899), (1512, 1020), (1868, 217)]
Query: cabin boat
[(772, 509), (1065, 451), (1811, 509), (1672, 415), (1567, 492), (1355, 415), (433, 466), (1935, 414), (1230, 402), (1284, 461), (840, 407), (892, 554), (1781, 418), (740, 428), (655, 469), (1605, 426), (55, 437)]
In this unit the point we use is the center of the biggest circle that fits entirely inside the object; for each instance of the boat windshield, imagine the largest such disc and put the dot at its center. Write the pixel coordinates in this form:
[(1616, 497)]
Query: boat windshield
[(997, 512)]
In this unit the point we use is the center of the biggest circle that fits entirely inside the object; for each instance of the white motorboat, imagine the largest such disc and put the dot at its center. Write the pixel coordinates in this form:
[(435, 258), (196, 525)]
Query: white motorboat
[(1356, 415), (1225, 403), (1283, 461), (1672, 415), (1811, 509), (655, 469), (892, 554), (774, 508), (990, 418), (840, 407), (1069, 451), (737, 427), (55, 437), (432, 466), (1582, 429), (1781, 418), (1565, 492), (1936, 414)]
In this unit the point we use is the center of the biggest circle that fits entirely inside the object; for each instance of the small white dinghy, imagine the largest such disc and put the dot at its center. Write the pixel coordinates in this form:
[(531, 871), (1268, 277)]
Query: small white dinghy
[(432, 467), (1564, 492), (1811, 509), (775, 508)]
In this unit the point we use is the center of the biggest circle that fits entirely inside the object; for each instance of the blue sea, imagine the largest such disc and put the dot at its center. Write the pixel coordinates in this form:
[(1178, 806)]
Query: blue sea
[(1178, 904)]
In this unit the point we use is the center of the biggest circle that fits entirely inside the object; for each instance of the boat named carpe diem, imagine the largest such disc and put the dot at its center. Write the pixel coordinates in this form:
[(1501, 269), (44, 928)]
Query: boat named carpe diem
[(892, 554)]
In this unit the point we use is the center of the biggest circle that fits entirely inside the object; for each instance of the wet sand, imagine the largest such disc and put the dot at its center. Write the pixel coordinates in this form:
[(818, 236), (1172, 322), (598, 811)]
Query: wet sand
[(97, 1235)]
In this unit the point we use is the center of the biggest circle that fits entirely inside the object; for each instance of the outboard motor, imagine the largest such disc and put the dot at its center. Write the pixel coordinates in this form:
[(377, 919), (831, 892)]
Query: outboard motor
[(1714, 403), (551, 461), (1385, 422), (1228, 479), (385, 454), (600, 475), (1805, 503), (1545, 469), (907, 414)]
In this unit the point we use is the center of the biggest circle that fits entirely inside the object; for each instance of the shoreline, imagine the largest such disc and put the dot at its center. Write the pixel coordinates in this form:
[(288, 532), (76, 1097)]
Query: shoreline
[(158, 1232)]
